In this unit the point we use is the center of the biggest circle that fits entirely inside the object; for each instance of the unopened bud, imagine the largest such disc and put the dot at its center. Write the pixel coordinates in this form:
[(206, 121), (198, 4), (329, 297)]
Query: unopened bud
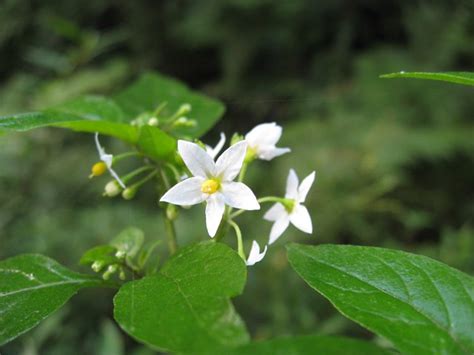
[(112, 269), (236, 138), (153, 122), (97, 266), (122, 275), (112, 189), (171, 212), (129, 193), (183, 109), (184, 122), (120, 254), (98, 169)]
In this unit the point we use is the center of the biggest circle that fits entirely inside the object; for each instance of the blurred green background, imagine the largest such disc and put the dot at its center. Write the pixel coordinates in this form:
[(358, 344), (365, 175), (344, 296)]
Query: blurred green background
[(394, 158)]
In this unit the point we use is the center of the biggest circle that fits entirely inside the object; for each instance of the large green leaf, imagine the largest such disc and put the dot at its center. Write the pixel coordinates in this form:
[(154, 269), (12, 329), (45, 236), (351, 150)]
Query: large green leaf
[(31, 288), (465, 78), (186, 306), (153, 89), (86, 114), (421, 305), (310, 344)]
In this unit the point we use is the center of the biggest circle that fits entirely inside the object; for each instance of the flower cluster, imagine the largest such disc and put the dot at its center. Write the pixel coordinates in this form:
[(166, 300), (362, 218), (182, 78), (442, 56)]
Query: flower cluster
[(213, 182)]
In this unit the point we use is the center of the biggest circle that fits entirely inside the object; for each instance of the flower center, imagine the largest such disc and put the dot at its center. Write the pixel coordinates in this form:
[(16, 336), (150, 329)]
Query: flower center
[(289, 204), (210, 186)]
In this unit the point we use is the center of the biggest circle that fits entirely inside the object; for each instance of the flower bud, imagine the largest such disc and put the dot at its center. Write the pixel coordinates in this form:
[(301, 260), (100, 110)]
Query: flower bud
[(122, 275), (236, 138), (98, 169), (183, 110), (112, 189), (171, 212), (184, 122), (97, 266), (153, 122), (129, 193)]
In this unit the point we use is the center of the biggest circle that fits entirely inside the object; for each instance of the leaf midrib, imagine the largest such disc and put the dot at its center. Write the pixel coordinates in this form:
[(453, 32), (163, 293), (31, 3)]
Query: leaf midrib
[(46, 285)]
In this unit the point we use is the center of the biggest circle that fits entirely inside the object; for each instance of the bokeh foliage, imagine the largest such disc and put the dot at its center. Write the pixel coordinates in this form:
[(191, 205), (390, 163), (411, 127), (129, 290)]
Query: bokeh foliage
[(394, 159)]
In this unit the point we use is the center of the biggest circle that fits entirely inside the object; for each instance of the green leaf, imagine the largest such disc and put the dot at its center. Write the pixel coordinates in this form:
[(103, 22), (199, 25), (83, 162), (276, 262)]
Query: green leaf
[(464, 78), (153, 89), (129, 241), (31, 288), (310, 344), (156, 144), (421, 305), (84, 115), (186, 306)]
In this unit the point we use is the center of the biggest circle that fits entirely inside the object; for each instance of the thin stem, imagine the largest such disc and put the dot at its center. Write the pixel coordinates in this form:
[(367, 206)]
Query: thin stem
[(171, 233), (145, 179), (119, 157), (136, 172), (238, 234), (169, 224)]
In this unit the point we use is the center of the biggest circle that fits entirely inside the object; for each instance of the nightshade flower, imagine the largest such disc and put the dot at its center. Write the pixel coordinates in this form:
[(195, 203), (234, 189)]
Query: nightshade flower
[(255, 255), (262, 140), (216, 150), (107, 160), (293, 211), (212, 182)]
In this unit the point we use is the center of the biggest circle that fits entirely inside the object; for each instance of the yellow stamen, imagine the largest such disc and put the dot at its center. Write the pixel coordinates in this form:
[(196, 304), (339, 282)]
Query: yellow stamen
[(98, 169), (210, 186)]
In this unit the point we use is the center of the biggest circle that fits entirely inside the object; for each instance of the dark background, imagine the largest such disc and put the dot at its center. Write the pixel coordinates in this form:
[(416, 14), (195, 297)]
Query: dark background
[(394, 158)]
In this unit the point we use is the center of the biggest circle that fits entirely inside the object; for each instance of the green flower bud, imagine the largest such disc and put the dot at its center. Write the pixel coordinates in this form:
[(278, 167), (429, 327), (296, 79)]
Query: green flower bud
[(153, 122), (236, 138), (112, 189), (129, 193)]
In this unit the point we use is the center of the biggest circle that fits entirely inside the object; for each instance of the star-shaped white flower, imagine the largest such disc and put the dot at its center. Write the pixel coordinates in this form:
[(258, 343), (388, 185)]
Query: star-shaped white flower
[(255, 255), (107, 159), (262, 140), (212, 182), (216, 150), (294, 212)]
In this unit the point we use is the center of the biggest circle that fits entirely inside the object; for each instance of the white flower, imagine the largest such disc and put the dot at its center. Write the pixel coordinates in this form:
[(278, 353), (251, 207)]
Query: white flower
[(262, 139), (294, 212), (255, 255), (212, 182), (107, 159), (216, 150)]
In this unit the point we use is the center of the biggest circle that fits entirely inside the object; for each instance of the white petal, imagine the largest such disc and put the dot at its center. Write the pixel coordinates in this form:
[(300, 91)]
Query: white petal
[(116, 177), (305, 186), (268, 152), (107, 159), (185, 193), (292, 185), (230, 162), (255, 255), (276, 212), (100, 150), (196, 159), (278, 228), (301, 219), (214, 210), (239, 195), (264, 134)]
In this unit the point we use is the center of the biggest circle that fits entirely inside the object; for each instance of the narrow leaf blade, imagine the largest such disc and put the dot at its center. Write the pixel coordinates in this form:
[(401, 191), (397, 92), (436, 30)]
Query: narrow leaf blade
[(421, 305), (464, 78)]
